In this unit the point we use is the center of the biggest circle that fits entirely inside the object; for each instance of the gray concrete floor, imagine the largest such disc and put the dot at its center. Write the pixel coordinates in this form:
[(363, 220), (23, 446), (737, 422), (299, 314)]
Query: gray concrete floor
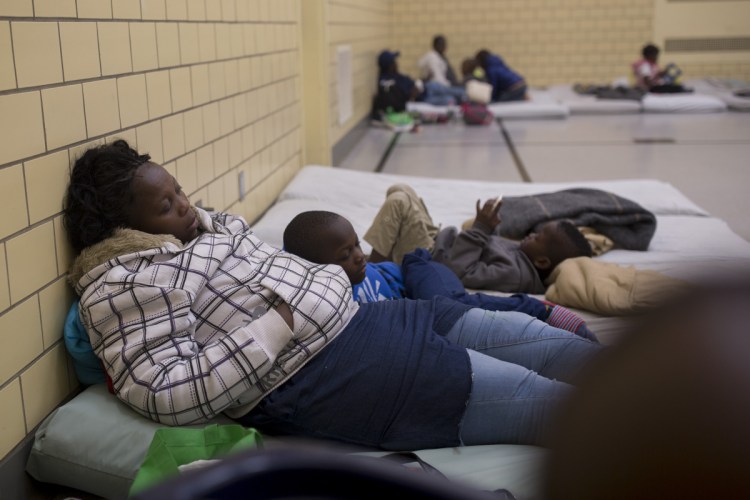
[(706, 156)]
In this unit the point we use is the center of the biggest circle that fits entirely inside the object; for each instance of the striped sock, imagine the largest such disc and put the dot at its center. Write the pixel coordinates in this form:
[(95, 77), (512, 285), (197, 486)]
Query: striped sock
[(565, 319)]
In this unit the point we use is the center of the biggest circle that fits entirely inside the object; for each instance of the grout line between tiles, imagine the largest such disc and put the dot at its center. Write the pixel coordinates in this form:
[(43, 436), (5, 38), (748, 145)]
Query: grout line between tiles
[(516, 158), (387, 152)]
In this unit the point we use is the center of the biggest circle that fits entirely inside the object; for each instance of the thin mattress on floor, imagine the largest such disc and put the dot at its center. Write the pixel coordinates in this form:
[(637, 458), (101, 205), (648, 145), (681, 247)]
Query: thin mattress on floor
[(724, 89), (692, 102), (580, 104), (541, 104)]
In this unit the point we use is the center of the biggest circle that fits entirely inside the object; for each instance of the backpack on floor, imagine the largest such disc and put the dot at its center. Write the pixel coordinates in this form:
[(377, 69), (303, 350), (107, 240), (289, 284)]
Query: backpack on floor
[(475, 113)]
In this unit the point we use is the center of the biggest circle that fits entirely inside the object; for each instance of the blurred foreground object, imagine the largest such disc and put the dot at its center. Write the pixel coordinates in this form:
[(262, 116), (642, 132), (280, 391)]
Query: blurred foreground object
[(666, 412)]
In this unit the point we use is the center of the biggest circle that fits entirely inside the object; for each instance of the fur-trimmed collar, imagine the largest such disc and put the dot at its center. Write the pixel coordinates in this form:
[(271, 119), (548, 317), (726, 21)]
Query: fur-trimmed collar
[(122, 242)]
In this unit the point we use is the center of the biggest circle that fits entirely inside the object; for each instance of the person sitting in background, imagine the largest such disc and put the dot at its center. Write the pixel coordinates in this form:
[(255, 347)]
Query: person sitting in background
[(650, 77), (441, 87), (394, 88), (482, 259), (328, 238), (507, 85), (193, 315)]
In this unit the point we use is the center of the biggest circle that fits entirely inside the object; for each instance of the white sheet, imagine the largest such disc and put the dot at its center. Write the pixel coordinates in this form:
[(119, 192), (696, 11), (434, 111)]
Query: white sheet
[(682, 103), (367, 188), (431, 109), (688, 242), (358, 196), (591, 105), (723, 89), (541, 104)]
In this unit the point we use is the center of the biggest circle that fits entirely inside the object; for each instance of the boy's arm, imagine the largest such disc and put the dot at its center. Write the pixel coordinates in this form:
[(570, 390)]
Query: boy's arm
[(477, 265), (480, 266)]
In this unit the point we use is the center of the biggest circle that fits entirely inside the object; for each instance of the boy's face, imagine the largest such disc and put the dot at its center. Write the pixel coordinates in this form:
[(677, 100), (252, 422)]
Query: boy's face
[(538, 247), (160, 206), (340, 246)]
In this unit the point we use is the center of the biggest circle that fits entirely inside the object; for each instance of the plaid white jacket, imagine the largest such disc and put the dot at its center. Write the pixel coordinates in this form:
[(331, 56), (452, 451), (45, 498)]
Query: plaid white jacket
[(187, 332)]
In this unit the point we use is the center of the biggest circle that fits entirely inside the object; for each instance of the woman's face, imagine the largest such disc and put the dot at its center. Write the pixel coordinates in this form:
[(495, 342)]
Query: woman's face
[(160, 206)]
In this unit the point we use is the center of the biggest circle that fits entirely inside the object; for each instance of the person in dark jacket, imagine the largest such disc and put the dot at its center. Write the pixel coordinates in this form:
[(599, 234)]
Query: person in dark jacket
[(507, 85)]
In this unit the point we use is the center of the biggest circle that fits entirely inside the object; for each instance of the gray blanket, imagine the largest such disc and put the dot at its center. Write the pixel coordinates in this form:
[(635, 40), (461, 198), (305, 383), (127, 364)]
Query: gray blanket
[(625, 222)]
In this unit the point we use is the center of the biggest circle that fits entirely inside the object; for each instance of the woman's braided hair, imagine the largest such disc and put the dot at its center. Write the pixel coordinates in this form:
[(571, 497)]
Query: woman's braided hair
[(99, 193)]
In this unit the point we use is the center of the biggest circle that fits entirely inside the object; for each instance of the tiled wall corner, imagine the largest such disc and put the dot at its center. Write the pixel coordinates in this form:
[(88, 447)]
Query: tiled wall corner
[(12, 421)]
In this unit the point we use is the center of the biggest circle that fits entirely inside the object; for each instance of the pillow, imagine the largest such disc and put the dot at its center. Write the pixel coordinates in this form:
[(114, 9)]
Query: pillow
[(93, 443)]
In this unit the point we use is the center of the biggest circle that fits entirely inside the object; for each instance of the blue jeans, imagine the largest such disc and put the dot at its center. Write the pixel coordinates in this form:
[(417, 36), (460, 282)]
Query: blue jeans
[(520, 372), (424, 279), (442, 95), (512, 94)]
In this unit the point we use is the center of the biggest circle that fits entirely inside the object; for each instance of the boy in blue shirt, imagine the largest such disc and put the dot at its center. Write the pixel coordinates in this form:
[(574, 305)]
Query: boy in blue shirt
[(328, 238)]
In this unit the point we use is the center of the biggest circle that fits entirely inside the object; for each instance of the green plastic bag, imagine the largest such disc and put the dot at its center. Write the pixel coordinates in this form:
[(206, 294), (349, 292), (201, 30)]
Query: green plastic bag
[(172, 447)]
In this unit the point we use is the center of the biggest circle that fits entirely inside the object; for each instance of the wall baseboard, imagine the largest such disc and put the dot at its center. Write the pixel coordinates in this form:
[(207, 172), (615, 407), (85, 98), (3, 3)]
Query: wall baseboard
[(16, 484)]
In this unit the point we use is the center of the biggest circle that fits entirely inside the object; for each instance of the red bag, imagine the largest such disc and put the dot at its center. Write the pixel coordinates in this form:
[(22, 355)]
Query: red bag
[(475, 113)]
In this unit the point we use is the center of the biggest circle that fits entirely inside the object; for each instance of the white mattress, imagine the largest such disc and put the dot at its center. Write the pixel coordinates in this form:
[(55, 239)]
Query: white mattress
[(591, 105), (541, 104), (723, 89), (94, 443), (431, 109), (682, 103), (688, 242)]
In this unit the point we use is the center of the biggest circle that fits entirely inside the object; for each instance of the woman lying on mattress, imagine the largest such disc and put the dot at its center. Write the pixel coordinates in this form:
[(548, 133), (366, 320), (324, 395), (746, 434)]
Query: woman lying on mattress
[(193, 315)]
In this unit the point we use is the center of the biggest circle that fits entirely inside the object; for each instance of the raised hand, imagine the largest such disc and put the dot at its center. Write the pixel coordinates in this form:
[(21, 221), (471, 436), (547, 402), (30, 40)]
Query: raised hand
[(489, 212)]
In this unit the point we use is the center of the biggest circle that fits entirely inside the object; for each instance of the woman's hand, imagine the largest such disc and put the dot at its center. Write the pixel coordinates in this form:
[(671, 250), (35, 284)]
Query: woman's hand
[(286, 314), (489, 213)]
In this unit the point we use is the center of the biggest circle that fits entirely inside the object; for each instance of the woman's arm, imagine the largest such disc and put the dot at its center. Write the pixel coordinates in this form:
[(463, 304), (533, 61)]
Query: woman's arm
[(145, 337)]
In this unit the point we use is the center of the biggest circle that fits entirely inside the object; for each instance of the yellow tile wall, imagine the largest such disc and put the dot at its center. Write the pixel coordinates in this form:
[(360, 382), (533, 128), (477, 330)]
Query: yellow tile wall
[(365, 26), (209, 88), (547, 42)]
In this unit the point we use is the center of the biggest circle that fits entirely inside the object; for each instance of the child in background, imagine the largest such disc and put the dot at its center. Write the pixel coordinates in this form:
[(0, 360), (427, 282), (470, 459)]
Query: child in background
[(328, 238), (394, 89), (650, 77)]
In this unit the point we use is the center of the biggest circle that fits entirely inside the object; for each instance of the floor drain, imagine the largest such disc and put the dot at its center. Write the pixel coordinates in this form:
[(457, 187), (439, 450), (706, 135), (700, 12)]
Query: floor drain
[(654, 140)]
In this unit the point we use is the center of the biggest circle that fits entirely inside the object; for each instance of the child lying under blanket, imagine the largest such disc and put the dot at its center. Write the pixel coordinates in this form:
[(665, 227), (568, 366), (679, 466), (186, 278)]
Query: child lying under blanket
[(328, 238)]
